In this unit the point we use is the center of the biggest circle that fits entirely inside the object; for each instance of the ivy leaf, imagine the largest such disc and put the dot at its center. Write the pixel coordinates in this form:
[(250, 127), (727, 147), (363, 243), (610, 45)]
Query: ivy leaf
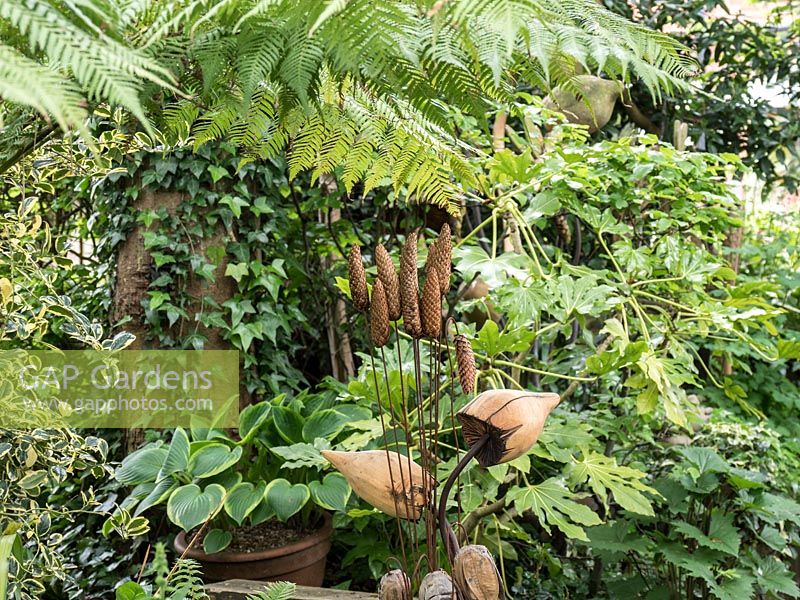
[(236, 270), (235, 203), (605, 475), (722, 535), (217, 172), (552, 504)]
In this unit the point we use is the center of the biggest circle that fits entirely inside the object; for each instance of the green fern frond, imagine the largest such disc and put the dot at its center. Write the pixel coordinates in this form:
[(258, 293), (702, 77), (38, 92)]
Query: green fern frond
[(279, 590)]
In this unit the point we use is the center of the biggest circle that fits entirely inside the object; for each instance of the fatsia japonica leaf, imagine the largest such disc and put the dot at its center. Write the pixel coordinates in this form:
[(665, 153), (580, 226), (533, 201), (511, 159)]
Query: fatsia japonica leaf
[(473, 261), (552, 503), (604, 475)]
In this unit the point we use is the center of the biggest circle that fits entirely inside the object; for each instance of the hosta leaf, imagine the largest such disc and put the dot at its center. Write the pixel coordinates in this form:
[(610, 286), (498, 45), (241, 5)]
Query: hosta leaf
[(157, 495), (251, 419), (604, 475), (177, 456), (189, 506), (301, 455), (141, 466), (331, 493), (286, 499), (552, 504), (243, 498), (212, 459), (216, 540), (323, 424), (288, 423)]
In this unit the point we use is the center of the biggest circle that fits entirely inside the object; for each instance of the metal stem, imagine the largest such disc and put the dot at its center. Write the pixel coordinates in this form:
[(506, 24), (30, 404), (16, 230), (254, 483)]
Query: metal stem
[(445, 529)]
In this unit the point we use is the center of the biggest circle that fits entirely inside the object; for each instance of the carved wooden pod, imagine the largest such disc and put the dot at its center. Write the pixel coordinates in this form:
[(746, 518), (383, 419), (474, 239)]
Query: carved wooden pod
[(383, 479), (395, 585), (513, 420), (476, 575), (437, 585)]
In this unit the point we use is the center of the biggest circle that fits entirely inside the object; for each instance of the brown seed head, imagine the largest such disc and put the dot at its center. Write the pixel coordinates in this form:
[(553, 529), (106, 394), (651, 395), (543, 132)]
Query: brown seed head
[(391, 285), (358, 279), (409, 287), (395, 585), (512, 420), (379, 316), (475, 574), (444, 258), (466, 363), (431, 306), (437, 585)]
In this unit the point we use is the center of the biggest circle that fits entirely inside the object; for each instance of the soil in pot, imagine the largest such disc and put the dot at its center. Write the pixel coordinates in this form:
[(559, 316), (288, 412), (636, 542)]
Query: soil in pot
[(270, 551)]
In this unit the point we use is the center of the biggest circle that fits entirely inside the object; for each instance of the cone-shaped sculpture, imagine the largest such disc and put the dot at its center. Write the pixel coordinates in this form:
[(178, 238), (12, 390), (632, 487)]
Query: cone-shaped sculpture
[(382, 478), (437, 585), (395, 585), (512, 419), (475, 574)]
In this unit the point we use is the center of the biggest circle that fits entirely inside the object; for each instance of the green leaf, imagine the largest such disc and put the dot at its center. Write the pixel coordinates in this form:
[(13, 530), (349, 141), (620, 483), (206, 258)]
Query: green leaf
[(157, 495), (286, 499), (142, 466), (212, 459), (618, 537), (236, 270), (773, 576), (251, 419), (324, 424), (288, 423), (332, 493), (490, 341), (578, 296), (235, 203), (705, 460), (722, 535), (737, 585), (189, 507), (300, 455), (131, 590), (216, 540), (697, 564), (217, 172), (243, 498), (177, 456), (604, 475), (551, 502), (473, 260)]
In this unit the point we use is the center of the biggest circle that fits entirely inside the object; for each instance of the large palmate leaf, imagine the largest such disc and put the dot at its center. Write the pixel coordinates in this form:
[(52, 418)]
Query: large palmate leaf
[(722, 535), (604, 475), (553, 505)]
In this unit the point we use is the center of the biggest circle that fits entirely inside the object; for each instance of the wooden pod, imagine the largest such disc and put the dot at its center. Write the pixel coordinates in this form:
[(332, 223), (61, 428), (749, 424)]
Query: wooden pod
[(382, 478), (394, 585), (437, 585), (475, 574), (513, 420)]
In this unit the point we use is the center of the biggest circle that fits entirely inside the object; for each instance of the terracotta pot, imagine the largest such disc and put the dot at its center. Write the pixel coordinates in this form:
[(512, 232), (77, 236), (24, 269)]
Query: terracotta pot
[(301, 562)]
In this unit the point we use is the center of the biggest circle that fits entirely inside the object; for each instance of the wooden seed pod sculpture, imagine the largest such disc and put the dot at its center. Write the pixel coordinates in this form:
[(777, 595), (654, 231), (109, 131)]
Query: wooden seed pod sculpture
[(382, 478), (357, 276), (512, 419), (437, 585), (476, 575), (395, 585)]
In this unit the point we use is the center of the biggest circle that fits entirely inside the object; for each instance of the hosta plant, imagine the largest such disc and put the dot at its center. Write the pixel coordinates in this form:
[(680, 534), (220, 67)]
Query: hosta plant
[(271, 468)]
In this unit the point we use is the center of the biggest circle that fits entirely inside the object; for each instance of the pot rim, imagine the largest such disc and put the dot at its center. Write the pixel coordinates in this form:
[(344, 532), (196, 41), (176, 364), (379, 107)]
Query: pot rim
[(321, 535)]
